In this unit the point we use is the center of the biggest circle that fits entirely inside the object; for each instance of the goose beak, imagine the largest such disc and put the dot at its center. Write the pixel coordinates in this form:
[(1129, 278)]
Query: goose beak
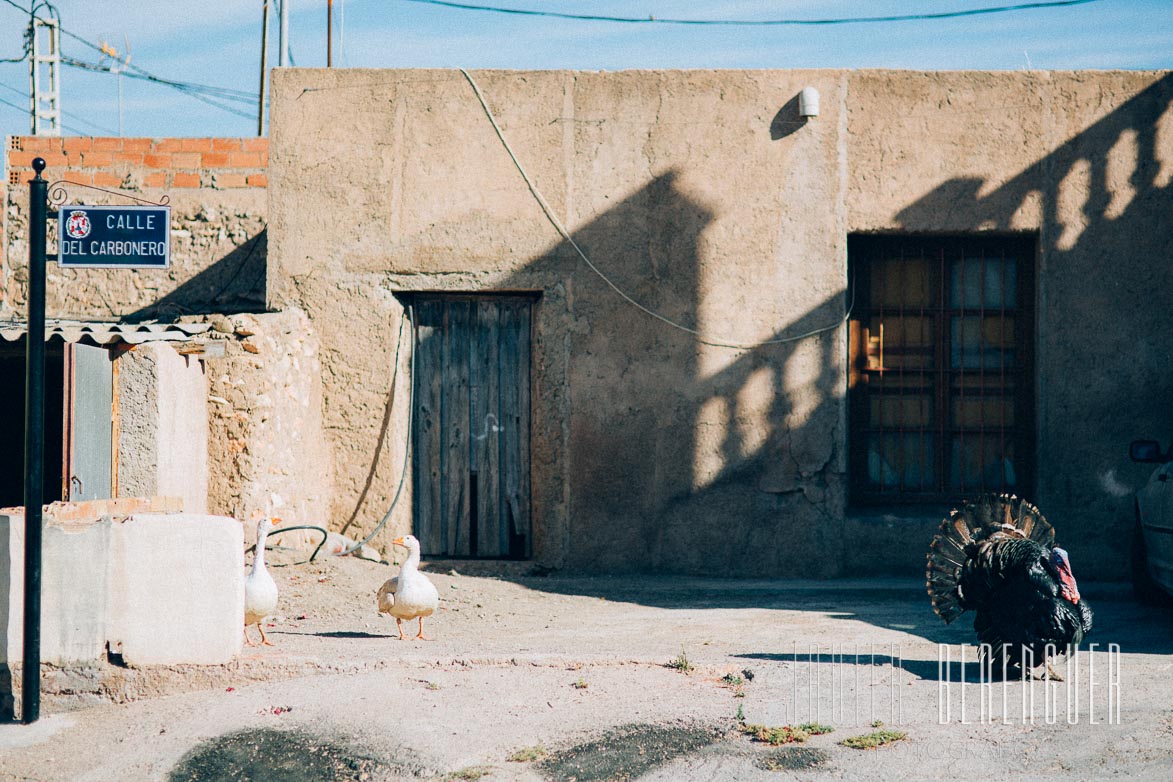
[(399, 542)]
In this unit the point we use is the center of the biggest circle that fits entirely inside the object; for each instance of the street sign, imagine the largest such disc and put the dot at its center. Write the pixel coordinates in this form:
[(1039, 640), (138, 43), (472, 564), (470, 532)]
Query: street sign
[(114, 237)]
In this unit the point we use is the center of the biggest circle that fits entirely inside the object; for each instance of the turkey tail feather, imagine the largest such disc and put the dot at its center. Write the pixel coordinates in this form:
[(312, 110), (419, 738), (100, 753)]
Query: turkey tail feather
[(961, 535)]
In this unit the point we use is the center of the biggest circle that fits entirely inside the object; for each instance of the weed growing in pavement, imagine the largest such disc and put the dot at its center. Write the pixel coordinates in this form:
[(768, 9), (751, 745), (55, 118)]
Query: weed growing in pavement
[(787, 734), (872, 740), (580, 684), (680, 663), (528, 754)]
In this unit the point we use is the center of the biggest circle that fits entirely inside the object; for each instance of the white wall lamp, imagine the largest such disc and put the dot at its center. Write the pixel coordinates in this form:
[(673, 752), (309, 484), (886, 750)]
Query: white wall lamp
[(808, 103)]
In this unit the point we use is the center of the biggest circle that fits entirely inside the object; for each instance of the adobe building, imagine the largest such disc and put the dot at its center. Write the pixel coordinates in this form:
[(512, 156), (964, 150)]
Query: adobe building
[(731, 336)]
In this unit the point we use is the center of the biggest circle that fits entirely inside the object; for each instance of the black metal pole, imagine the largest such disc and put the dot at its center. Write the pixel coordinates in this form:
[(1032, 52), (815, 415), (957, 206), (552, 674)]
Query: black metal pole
[(34, 449)]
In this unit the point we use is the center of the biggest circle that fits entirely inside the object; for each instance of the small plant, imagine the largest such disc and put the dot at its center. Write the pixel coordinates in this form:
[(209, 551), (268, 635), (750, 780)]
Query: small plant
[(877, 723), (876, 739), (469, 774), (528, 754), (680, 663), (732, 679), (581, 684), (787, 734), (740, 716), (431, 686)]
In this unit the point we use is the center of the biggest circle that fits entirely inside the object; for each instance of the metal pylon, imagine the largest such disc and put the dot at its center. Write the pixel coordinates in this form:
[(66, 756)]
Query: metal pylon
[(45, 75)]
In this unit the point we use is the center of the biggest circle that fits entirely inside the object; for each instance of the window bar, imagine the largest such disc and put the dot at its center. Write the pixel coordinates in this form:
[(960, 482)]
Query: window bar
[(922, 414), (944, 349), (1002, 376), (982, 373), (881, 433), (899, 417), (960, 372)]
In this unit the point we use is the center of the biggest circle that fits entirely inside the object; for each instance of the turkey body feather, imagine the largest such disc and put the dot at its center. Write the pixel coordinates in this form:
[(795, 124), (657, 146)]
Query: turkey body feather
[(995, 557)]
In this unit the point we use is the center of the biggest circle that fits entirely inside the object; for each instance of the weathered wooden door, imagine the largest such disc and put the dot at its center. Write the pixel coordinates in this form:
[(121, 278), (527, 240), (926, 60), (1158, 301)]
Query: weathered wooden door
[(471, 426)]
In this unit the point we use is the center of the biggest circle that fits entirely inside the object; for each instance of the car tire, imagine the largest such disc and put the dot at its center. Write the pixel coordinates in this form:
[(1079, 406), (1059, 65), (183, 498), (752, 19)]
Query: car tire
[(1145, 590)]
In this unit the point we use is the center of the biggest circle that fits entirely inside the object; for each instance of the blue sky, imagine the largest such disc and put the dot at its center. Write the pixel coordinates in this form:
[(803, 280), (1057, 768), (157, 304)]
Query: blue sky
[(217, 43)]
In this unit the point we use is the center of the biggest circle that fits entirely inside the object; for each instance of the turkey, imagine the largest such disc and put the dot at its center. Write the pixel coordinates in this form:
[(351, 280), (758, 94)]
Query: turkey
[(996, 557)]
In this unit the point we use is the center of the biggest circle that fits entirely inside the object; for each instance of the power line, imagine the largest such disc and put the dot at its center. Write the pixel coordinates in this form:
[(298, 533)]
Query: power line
[(24, 110), (77, 117), (202, 92), (754, 22)]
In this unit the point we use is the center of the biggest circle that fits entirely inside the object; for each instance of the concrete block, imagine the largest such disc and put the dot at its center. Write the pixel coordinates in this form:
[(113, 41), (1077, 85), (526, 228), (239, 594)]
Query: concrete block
[(158, 589), (74, 591), (178, 591)]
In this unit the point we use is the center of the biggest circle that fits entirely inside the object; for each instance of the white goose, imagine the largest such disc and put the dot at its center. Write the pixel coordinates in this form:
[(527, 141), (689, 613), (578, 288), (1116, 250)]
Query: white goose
[(410, 595), (260, 591)]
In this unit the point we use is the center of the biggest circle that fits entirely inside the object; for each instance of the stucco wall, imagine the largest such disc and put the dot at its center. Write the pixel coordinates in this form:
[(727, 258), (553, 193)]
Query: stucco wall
[(701, 194), (704, 197), (1082, 160), (163, 426)]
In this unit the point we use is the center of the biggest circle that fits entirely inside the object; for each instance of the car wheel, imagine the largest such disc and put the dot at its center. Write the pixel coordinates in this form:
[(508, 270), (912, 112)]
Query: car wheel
[(1144, 588)]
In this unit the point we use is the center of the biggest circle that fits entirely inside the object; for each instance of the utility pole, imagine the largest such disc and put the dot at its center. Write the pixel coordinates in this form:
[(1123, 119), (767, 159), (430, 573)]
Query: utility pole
[(264, 67), (329, 33), (283, 35), (34, 449), (44, 70)]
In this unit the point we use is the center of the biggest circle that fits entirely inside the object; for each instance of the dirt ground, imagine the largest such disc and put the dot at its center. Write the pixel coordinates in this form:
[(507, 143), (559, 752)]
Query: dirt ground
[(655, 678)]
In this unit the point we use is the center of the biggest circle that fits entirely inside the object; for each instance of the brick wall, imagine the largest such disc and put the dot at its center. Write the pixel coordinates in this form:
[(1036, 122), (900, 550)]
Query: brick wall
[(217, 189), (142, 163)]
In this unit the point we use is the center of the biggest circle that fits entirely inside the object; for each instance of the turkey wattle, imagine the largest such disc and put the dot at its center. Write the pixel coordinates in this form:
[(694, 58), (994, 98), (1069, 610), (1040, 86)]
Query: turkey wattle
[(996, 556)]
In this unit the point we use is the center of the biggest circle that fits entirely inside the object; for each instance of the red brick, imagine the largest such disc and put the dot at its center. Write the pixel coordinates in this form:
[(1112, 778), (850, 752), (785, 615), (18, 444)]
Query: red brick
[(129, 157), (257, 180), (22, 159), (244, 159), (137, 144), (55, 159), (225, 180), (168, 145), (214, 159), (155, 160), (79, 178), (39, 143), (255, 144), (97, 159), (185, 159), (265, 158), (182, 179), (156, 179), (77, 143), (107, 179), (107, 144), (225, 144), (196, 144)]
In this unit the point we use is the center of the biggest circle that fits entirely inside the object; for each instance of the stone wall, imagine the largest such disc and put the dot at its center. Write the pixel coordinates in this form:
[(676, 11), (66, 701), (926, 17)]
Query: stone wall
[(265, 435), (217, 192)]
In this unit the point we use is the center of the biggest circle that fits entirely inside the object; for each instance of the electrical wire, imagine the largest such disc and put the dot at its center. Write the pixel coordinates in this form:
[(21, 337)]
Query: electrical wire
[(553, 218), (752, 22), (64, 113), (410, 315), (24, 110)]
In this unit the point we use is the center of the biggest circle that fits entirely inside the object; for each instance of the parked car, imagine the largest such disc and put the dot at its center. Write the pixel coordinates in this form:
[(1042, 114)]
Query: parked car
[(1152, 538)]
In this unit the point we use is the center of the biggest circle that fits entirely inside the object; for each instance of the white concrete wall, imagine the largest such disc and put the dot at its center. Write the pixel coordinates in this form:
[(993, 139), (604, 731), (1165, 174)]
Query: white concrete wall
[(158, 588), (163, 426)]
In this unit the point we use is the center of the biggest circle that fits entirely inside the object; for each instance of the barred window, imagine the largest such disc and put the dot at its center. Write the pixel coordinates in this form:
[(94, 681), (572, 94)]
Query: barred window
[(941, 376)]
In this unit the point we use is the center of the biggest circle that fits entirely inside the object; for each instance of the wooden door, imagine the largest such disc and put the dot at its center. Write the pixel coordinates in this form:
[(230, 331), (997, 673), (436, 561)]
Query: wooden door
[(471, 425)]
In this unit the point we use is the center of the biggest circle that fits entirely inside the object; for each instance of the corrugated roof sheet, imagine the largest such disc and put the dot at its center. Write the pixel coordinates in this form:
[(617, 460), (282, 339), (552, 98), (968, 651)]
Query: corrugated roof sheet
[(107, 333)]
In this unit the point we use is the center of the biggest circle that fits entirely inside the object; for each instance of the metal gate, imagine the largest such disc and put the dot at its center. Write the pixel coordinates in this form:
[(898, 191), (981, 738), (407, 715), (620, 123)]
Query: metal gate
[(471, 426)]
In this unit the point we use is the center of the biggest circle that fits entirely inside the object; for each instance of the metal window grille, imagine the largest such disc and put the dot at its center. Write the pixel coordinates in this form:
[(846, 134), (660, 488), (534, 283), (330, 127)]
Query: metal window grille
[(941, 379)]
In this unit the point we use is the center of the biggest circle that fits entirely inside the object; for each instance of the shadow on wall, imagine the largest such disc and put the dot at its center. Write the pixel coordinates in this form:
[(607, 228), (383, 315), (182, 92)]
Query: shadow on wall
[(1105, 294), (233, 284), (675, 470)]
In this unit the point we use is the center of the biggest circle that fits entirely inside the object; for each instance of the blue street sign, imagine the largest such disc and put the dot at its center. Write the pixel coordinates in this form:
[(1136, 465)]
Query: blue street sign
[(114, 237)]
